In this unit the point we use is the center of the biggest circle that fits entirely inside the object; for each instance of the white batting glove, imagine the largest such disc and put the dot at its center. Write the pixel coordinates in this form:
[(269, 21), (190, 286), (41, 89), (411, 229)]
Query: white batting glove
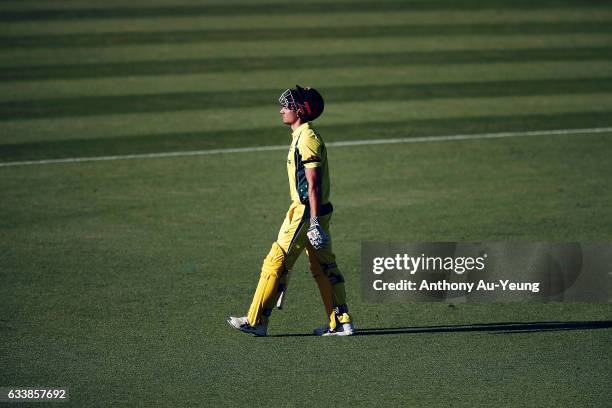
[(317, 237)]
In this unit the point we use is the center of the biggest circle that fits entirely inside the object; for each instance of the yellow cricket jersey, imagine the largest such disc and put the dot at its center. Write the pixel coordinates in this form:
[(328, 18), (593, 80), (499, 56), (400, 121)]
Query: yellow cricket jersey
[(307, 151)]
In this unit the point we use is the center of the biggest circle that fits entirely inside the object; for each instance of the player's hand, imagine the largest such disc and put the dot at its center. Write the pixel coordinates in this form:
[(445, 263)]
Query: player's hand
[(317, 237)]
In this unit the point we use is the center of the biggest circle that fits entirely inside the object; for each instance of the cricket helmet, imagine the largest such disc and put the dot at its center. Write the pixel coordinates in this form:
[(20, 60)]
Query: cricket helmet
[(306, 102)]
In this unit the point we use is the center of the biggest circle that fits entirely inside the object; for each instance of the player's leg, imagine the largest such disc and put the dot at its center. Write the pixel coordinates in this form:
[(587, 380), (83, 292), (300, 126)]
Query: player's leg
[(272, 269), (282, 256), (256, 320), (285, 236), (325, 286), (324, 261), (292, 237)]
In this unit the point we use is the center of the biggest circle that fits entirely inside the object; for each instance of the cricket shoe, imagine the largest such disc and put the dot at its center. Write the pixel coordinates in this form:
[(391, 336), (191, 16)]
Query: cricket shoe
[(242, 324), (344, 327)]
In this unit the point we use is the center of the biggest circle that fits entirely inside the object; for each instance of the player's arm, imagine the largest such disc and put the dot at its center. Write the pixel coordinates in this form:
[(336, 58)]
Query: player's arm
[(310, 150), (313, 176), (316, 235)]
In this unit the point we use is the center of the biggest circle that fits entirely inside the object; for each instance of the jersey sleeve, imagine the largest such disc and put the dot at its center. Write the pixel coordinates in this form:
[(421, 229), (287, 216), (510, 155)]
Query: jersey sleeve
[(310, 150)]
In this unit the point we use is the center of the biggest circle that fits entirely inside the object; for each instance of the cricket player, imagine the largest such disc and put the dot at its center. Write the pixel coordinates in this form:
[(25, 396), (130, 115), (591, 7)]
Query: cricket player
[(306, 225)]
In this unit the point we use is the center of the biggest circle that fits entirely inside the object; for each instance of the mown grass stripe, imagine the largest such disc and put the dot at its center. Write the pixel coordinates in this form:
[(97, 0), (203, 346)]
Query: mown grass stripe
[(185, 36), (176, 141), (322, 21), (51, 108), (22, 5), (283, 8), (297, 49), (247, 119), (175, 67), (349, 143), (321, 77)]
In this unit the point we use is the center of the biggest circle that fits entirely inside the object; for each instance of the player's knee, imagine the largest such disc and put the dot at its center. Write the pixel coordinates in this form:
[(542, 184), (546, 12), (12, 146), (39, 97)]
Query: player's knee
[(274, 263), (276, 254), (332, 272), (335, 279)]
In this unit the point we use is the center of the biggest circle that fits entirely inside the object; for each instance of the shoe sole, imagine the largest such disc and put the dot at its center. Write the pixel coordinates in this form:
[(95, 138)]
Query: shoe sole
[(231, 323), (323, 331), (342, 333)]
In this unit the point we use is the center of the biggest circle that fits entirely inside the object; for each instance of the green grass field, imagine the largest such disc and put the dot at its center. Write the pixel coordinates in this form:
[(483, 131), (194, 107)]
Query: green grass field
[(117, 276)]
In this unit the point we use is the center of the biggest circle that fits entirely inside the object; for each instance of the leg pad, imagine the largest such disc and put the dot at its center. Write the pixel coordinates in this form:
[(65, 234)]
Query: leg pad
[(267, 293)]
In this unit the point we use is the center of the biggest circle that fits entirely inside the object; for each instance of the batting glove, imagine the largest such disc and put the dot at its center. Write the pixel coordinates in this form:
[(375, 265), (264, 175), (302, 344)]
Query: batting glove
[(317, 237)]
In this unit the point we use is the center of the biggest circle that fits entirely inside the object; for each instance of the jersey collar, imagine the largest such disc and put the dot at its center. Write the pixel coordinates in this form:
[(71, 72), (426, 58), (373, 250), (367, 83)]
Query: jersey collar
[(301, 128)]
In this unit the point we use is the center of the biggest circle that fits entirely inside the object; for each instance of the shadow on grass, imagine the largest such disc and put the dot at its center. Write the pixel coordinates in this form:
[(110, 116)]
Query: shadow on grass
[(493, 328)]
